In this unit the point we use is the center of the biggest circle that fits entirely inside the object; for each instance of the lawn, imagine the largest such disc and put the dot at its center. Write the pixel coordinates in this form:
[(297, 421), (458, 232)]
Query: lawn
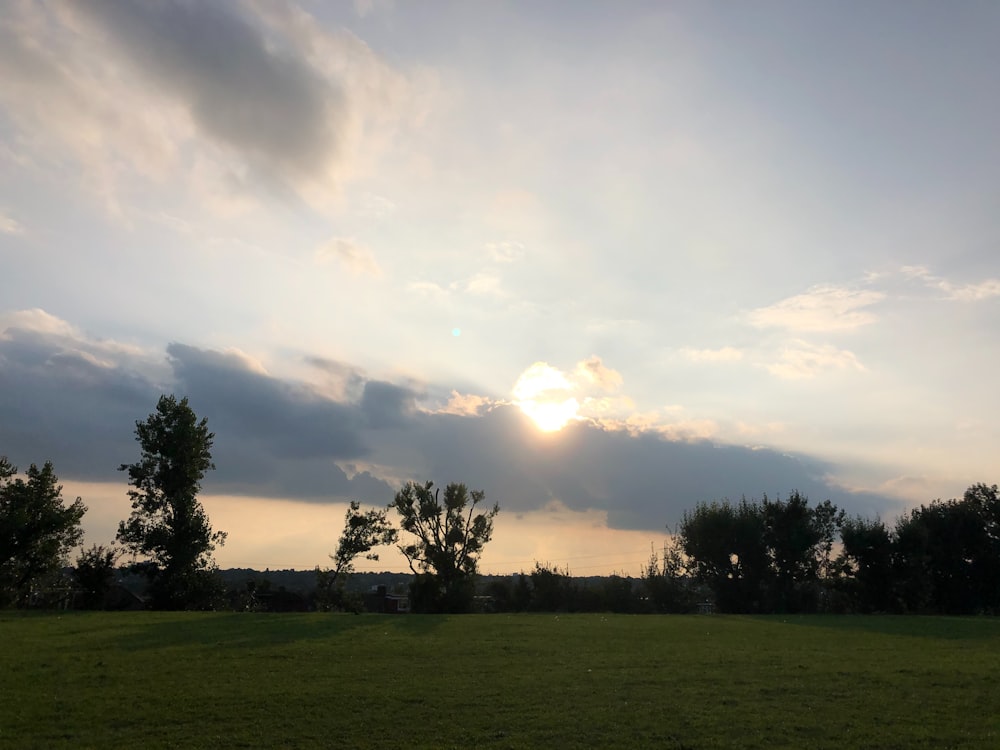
[(210, 680)]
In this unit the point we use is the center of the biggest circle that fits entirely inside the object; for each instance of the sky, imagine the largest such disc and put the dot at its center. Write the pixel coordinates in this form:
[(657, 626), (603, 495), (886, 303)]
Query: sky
[(603, 261)]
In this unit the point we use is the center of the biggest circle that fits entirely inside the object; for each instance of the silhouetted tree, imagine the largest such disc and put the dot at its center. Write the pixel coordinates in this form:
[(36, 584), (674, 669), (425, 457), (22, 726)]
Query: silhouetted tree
[(95, 574), (947, 554), (449, 538), (865, 564), (37, 530), (799, 540), (725, 548), (666, 583), (168, 526), (762, 557), (363, 531), (552, 589)]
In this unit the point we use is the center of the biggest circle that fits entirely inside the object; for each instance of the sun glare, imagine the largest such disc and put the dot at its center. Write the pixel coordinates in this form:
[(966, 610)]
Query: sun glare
[(544, 394), (550, 416)]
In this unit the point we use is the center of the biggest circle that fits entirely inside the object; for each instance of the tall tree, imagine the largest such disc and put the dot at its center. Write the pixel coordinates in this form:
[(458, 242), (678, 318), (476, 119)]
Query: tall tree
[(168, 527), (725, 549), (363, 532), (37, 530), (947, 554), (449, 538), (866, 564), (799, 540)]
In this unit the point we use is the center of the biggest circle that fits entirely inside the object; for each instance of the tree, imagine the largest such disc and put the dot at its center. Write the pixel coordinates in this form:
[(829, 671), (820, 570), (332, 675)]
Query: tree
[(761, 557), (168, 526), (450, 536), (95, 573), (799, 540), (362, 533), (37, 530), (947, 554), (666, 583), (866, 564), (552, 589), (725, 549)]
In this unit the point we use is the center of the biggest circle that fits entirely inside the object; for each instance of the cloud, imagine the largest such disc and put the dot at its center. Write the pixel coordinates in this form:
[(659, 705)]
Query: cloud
[(821, 308), (74, 399), (724, 354), (803, 360), (983, 290), (280, 418), (357, 258), (466, 405), (235, 98), (505, 252), (247, 93), (9, 225), (642, 480), (593, 371), (482, 284), (375, 206)]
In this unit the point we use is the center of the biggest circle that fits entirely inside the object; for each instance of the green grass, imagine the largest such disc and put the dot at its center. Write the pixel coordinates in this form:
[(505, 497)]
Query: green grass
[(500, 681)]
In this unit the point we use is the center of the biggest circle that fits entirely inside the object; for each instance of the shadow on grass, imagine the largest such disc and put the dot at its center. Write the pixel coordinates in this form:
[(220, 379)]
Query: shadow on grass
[(905, 626), (240, 630)]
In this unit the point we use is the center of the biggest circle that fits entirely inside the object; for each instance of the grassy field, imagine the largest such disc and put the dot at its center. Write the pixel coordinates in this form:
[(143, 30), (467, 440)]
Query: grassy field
[(498, 681)]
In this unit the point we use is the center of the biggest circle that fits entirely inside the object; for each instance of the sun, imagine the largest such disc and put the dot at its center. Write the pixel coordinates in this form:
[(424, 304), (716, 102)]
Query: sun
[(543, 393), (550, 416)]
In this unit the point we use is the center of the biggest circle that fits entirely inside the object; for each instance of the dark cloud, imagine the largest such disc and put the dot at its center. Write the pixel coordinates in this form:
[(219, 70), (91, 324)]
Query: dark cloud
[(60, 400), (387, 405), (63, 403), (253, 93), (292, 420), (643, 481)]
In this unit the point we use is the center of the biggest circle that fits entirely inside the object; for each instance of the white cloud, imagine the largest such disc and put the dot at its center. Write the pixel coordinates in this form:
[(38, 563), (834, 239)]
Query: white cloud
[(36, 320), (505, 252), (9, 225), (821, 308), (375, 206), (482, 284), (427, 289), (804, 360), (976, 292), (67, 340), (466, 405), (592, 370), (724, 354), (357, 258)]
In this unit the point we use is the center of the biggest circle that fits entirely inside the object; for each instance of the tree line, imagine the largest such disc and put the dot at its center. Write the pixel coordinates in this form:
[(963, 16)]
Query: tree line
[(170, 541), (787, 556), (782, 556)]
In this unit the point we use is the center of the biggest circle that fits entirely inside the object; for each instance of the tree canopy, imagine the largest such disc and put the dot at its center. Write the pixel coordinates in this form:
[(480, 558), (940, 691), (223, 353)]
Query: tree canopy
[(363, 532), (168, 528), (37, 531), (448, 538)]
